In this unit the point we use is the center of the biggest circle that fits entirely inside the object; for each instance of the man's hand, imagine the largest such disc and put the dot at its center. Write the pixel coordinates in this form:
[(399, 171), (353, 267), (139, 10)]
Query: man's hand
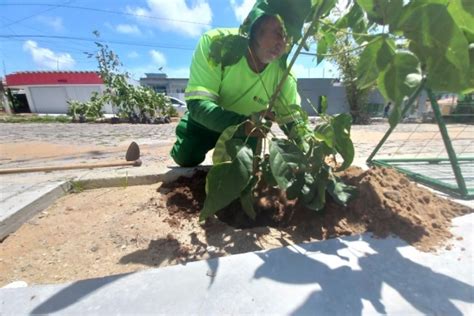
[(252, 130), (269, 116)]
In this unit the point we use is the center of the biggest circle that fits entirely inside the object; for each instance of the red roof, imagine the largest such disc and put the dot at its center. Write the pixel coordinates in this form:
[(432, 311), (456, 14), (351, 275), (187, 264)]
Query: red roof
[(53, 77)]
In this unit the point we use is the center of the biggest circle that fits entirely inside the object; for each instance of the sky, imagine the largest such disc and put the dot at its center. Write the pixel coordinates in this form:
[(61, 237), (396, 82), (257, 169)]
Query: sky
[(147, 35)]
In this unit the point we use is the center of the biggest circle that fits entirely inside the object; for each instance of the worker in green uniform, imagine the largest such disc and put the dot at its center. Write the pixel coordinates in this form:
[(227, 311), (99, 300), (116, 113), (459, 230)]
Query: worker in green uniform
[(227, 91)]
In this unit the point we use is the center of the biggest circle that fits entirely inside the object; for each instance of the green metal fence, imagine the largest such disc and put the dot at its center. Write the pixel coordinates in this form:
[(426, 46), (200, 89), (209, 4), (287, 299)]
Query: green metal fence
[(453, 175)]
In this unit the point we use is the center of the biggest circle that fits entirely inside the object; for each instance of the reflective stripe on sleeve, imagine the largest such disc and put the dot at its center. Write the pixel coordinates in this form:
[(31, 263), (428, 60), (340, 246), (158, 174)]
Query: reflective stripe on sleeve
[(200, 94)]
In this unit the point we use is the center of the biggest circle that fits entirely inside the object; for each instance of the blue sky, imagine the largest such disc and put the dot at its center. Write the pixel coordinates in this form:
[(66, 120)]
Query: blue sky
[(147, 35)]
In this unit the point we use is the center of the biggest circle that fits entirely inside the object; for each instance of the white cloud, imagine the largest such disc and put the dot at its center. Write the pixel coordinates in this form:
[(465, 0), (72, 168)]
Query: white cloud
[(176, 15), (46, 58), (158, 58), (54, 22), (128, 29), (242, 10), (133, 55)]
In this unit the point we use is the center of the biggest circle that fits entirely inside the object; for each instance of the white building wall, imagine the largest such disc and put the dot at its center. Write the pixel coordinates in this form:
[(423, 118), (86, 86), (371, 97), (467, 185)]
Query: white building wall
[(52, 99)]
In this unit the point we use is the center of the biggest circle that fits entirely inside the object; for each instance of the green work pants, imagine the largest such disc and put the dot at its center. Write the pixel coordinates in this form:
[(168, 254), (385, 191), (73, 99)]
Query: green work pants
[(193, 141)]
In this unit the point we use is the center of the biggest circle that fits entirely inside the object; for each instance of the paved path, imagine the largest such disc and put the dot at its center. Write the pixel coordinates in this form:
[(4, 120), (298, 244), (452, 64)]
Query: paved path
[(59, 144), (408, 136), (91, 134)]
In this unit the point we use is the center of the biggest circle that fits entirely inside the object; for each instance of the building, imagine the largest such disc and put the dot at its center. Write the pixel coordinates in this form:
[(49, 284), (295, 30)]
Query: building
[(159, 82), (309, 89), (48, 91)]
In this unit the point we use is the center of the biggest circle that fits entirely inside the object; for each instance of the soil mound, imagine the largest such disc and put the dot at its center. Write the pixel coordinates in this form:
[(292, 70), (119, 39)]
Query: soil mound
[(386, 203)]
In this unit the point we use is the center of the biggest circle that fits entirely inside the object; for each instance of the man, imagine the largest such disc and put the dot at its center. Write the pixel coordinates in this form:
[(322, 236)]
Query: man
[(227, 92)]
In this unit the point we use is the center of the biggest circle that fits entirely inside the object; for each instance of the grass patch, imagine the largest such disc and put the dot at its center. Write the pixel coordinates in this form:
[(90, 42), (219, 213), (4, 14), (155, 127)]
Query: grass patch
[(35, 119)]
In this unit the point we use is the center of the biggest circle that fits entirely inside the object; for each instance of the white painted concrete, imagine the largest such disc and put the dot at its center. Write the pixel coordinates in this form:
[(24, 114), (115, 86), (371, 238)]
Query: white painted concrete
[(348, 276)]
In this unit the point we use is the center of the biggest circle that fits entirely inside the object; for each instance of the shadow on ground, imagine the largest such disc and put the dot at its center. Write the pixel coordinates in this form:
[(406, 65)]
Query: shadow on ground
[(343, 289)]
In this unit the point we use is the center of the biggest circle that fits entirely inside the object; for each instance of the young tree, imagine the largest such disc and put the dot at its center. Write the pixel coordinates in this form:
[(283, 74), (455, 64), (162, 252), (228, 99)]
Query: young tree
[(438, 56), (126, 100)]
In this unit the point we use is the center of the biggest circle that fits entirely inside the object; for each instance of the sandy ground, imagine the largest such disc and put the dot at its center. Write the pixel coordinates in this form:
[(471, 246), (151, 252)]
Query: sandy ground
[(110, 231), (118, 230)]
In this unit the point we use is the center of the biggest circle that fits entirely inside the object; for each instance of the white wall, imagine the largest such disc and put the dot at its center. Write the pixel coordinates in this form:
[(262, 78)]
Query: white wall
[(53, 99)]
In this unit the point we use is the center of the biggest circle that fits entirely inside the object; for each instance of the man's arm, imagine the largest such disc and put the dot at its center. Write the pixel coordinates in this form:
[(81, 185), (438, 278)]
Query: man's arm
[(212, 116)]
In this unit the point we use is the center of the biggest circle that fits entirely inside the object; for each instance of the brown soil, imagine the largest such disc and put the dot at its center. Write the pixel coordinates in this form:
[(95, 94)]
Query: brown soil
[(117, 230)]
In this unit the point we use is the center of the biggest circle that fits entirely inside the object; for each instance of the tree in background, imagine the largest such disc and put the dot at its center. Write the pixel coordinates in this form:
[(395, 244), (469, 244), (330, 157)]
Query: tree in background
[(344, 52), (137, 103)]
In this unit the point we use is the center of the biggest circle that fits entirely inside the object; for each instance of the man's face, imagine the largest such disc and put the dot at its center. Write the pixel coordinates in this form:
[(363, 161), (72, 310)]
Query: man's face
[(270, 41)]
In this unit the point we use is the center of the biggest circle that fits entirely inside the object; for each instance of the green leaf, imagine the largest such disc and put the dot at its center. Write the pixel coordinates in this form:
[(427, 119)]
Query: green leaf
[(320, 152), (440, 45), (226, 181), (340, 192), (319, 187), (246, 199), (470, 88), (354, 19), (462, 11), (233, 147), (285, 159), (227, 50), (296, 185), (373, 60), (292, 12), (344, 146), (324, 104), (325, 7), (220, 151), (321, 50), (382, 11), (393, 83), (324, 132), (395, 115), (309, 189)]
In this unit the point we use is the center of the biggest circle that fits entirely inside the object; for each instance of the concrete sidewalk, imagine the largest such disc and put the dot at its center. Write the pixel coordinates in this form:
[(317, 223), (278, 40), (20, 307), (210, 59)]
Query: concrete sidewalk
[(349, 276)]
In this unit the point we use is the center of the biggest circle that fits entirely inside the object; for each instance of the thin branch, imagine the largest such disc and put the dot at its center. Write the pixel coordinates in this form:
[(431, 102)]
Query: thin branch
[(338, 53), (344, 31)]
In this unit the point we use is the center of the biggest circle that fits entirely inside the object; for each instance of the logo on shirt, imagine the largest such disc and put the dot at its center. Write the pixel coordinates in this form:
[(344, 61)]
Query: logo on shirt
[(260, 100)]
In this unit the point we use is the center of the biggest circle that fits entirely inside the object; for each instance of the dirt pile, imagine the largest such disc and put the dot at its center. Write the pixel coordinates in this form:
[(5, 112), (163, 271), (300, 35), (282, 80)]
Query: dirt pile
[(387, 203)]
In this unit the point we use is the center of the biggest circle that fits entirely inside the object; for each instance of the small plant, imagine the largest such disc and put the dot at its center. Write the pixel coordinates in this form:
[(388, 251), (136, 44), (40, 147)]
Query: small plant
[(77, 187), (90, 110), (77, 110)]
